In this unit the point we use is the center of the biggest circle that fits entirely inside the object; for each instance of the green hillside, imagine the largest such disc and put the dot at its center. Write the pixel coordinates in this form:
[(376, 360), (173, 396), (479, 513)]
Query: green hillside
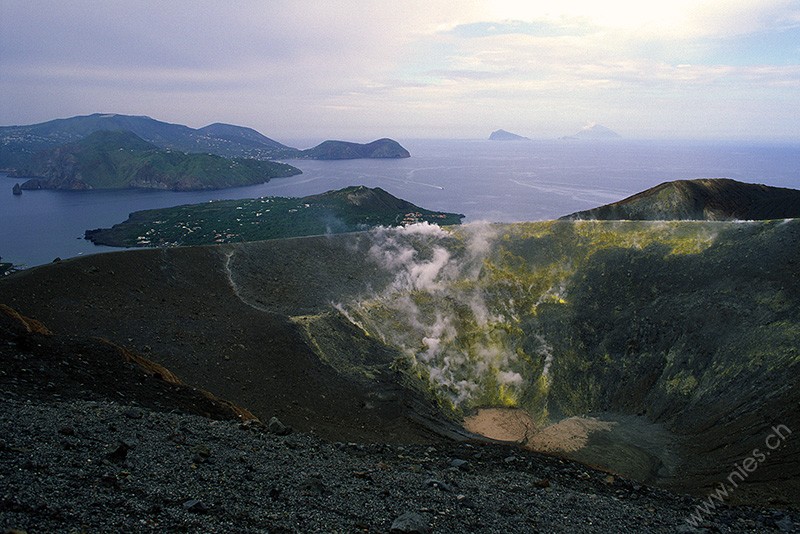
[(119, 160), (230, 221), (18, 144), (21, 145)]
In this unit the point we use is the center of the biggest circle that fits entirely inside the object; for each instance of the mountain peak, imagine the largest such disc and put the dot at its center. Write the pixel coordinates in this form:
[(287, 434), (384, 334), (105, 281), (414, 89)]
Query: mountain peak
[(241, 135), (503, 135), (594, 131), (701, 199), (227, 140)]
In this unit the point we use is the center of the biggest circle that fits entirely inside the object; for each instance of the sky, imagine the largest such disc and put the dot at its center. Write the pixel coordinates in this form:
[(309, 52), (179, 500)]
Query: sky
[(364, 69)]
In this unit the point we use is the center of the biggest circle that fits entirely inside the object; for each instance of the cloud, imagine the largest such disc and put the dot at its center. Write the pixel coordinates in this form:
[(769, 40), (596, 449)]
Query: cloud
[(251, 62), (421, 68), (676, 19)]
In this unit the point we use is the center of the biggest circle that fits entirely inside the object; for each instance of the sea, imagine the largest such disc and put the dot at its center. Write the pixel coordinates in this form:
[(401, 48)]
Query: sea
[(499, 181)]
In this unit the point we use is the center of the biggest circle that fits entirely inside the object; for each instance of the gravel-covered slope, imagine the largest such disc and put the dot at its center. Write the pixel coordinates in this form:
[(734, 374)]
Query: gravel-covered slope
[(90, 466)]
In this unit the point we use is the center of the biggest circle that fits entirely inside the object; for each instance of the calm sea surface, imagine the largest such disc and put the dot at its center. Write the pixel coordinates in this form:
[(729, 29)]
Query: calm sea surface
[(485, 180)]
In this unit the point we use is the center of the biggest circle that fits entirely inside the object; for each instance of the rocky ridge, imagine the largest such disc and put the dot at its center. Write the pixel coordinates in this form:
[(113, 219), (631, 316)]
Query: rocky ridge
[(710, 199)]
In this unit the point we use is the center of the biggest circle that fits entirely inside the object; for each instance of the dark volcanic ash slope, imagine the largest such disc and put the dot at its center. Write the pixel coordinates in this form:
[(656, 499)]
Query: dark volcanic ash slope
[(182, 311), (715, 199), (39, 365), (62, 472), (96, 438)]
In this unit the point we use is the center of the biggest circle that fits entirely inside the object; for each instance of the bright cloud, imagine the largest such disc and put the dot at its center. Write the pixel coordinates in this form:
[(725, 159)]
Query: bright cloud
[(420, 68), (677, 18)]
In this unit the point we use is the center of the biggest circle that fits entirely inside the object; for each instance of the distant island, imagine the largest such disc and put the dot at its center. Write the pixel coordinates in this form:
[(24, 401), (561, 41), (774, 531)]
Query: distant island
[(123, 160), (594, 131), (19, 145), (380, 149), (590, 131), (230, 221), (502, 135), (712, 199)]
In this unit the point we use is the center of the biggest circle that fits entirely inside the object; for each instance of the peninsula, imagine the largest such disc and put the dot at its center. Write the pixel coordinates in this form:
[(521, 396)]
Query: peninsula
[(123, 160), (235, 221)]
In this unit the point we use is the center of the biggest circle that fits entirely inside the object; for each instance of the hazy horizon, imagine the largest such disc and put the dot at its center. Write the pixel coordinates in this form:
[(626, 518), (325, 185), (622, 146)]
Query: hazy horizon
[(310, 141), (357, 70)]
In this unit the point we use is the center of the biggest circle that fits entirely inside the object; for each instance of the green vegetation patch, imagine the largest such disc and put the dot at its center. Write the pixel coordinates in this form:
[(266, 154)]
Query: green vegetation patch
[(229, 221), (118, 160)]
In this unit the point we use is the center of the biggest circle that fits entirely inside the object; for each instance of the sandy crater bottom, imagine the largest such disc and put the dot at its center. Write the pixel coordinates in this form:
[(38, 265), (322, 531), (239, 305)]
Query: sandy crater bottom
[(627, 445)]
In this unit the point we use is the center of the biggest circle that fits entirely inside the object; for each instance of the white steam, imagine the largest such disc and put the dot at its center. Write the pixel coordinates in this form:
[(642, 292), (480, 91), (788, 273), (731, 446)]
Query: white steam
[(437, 313), (392, 251)]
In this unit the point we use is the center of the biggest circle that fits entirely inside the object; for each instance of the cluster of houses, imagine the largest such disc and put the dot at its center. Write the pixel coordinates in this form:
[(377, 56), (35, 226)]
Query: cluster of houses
[(415, 217)]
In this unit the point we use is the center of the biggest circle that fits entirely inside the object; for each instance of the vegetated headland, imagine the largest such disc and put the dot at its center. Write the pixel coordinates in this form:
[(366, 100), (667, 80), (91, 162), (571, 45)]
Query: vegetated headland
[(122, 160), (351, 209)]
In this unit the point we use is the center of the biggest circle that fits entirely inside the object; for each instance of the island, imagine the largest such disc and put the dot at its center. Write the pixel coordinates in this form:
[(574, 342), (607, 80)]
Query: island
[(230, 221), (21, 145), (594, 131), (502, 135), (123, 160), (714, 199), (380, 149)]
